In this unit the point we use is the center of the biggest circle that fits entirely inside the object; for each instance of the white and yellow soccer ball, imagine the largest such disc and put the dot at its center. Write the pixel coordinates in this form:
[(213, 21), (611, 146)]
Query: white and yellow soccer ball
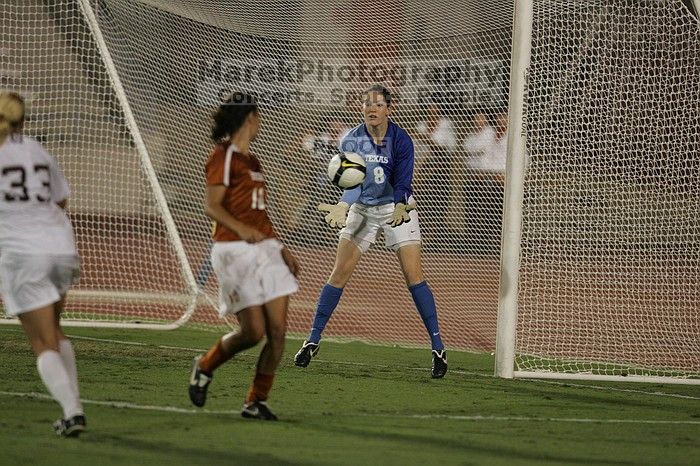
[(347, 170)]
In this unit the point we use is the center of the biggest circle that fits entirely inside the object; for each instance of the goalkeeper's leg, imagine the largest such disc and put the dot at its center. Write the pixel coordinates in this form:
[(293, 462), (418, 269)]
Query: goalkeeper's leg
[(410, 259), (347, 257)]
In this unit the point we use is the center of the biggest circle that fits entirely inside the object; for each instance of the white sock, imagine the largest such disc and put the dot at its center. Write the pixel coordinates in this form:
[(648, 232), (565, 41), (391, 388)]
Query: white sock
[(65, 348), (55, 376)]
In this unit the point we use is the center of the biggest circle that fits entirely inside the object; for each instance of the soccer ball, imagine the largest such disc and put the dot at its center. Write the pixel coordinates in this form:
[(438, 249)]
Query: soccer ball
[(347, 170)]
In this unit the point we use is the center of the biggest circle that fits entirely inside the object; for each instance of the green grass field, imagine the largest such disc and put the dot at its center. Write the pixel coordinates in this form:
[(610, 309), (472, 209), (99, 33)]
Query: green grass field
[(355, 404)]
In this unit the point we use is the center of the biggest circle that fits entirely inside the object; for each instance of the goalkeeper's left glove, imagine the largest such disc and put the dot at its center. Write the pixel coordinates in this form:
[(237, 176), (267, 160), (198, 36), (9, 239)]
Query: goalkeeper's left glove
[(400, 215)]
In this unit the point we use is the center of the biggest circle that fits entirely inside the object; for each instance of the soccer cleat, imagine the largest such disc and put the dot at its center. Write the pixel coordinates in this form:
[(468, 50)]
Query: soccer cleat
[(71, 427), (199, 382), (303, 357), (439, 364), (258, 410)]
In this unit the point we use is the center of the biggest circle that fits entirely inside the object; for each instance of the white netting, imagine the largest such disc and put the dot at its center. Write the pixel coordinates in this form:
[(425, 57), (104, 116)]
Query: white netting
[(610, 262), (307, 60), (50, 57), (610, 249)]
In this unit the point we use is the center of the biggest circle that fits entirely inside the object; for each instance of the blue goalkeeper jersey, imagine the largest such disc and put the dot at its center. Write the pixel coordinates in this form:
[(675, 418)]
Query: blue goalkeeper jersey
[(389, 166)]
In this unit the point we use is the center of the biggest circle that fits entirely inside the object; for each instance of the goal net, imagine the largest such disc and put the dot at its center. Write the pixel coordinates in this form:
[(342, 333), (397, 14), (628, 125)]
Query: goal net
[(121, 92), (609, 282)]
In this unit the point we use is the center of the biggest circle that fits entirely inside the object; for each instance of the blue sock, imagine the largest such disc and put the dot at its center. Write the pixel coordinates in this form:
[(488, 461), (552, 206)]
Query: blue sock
[(425, 303), (327, 302)]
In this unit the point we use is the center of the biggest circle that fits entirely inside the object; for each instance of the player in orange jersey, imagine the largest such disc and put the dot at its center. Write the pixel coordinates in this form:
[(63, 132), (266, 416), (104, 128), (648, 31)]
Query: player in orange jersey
[(256, 272)]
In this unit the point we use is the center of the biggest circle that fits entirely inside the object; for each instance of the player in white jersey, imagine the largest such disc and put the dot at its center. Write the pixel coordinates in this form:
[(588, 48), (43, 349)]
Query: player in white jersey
[(38, 259)]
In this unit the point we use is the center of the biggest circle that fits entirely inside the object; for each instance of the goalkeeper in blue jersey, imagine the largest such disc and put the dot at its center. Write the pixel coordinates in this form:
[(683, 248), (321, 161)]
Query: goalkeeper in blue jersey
[(383, 201)]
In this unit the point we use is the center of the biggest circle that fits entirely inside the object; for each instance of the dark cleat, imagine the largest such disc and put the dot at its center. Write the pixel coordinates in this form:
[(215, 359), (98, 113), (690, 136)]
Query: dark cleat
[(71, 427), (258, 410), (199, 382), (303, 357), (439, 364)]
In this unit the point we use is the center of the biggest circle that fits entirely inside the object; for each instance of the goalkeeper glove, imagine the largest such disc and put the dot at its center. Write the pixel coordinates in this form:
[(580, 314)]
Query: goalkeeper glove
[(336, 213), (400, 215)]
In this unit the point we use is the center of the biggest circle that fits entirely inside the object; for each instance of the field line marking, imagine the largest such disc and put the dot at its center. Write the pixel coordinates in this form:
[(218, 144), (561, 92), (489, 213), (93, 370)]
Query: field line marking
[(624, 390), (175, 409), (489, 376), (122, 404), (360, 364), (541, 419), (135, 343)]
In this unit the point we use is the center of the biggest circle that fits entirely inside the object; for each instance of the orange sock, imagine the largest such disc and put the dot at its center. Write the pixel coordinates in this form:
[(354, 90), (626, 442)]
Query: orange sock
[(215, 357), (260, 388)]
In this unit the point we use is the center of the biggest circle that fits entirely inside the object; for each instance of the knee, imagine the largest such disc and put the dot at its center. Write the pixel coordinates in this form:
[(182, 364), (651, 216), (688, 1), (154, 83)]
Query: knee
[(276, 335), (413, 276), (340, 275), (253, 334)]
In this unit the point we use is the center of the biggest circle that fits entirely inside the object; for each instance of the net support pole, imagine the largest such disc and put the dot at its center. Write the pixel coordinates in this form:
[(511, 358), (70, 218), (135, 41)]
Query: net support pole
[(513, 199), (146, 164)]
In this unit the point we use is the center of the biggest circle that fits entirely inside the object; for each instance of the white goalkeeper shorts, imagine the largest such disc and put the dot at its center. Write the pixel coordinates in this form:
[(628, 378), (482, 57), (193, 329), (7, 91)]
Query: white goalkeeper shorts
[(250, 274), (30, 282), (364, 222)]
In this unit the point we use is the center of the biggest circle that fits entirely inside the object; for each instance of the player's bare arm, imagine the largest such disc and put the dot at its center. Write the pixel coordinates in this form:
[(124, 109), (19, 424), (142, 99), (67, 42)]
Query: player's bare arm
[(291, 261)]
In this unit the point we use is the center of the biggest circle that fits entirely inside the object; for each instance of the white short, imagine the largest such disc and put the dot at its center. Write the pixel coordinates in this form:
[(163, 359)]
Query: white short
[(363, 224), (250, 274), (30, 282)]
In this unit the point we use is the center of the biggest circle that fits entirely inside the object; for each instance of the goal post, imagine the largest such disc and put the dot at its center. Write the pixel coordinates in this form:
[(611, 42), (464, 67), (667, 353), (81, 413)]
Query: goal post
[(600, 258), (512, 206), (192, 291)]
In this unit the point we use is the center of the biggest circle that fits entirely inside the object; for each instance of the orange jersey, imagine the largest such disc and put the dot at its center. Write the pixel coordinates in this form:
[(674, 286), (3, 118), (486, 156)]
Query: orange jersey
[(245, 197)]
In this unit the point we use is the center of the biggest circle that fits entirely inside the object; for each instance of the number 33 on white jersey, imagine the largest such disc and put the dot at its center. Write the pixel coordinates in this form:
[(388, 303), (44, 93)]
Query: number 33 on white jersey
[(31, 183)]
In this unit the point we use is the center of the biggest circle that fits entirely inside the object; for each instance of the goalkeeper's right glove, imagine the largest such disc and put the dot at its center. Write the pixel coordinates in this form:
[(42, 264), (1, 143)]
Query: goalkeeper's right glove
[(336, 213)]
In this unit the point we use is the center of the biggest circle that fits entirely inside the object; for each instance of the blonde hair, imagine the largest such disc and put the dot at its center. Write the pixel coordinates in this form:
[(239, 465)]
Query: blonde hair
[(11, 113)]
